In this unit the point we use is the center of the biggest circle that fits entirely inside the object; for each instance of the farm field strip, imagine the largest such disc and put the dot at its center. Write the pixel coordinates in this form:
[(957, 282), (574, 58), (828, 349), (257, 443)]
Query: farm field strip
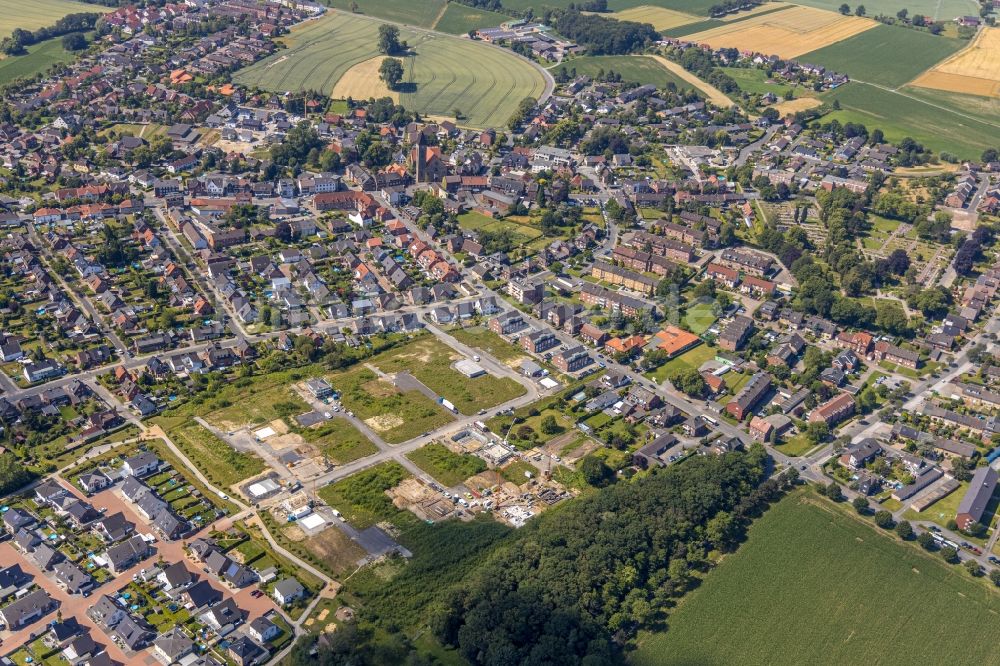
[(787, 34), (885, 55), (421, 13), (640, 69), (936, 10), (458, 19), (766, 8), (362, 80), (900, 114), (659, 17), (974, 70), (39, 13)]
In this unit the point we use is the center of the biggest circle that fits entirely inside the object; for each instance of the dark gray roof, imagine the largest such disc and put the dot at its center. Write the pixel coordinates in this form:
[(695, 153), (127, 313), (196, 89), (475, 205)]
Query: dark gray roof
[(981, 488)]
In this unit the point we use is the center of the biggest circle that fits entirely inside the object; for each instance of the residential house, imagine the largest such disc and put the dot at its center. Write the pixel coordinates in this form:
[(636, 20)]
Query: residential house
[(973, 505), (834, 410), (749, 396)]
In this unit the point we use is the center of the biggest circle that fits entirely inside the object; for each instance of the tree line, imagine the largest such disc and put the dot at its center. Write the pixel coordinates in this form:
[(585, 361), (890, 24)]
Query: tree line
[(727, 6), (605, 36)]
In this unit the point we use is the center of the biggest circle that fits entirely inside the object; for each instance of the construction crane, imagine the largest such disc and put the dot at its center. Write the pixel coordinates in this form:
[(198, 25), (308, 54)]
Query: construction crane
[(513, 422)]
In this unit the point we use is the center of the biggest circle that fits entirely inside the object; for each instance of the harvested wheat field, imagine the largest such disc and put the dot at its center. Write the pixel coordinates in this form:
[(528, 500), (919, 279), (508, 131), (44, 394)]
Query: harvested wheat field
[(786, 34), (975, 70), (362, 81), (658, 17), (795, 105)]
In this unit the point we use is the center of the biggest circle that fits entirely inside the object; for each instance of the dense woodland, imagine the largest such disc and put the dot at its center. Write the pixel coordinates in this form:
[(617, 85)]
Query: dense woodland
[(604, 36), (574, 585)]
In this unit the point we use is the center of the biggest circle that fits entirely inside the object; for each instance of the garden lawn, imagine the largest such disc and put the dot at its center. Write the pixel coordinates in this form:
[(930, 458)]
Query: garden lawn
[(924, 370), (692, 358), (699, 318), (945, 509), (796, 445), (523, 234), (736, 380), (500, 424), (941, 511), (448, 467), (515, 472), (816, 585), (753, 80)]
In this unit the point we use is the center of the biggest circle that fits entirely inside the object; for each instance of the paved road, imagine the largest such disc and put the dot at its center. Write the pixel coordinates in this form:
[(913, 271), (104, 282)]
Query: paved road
[(751, 148)]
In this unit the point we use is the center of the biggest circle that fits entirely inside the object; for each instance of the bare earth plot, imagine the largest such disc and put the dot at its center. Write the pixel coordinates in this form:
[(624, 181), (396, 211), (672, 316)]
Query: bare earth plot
[(974, 70), (339, 53), (787, 34)]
